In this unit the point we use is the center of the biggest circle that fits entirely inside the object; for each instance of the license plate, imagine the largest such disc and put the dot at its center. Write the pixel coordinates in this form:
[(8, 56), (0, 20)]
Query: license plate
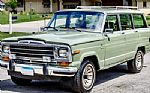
[(27, 71)]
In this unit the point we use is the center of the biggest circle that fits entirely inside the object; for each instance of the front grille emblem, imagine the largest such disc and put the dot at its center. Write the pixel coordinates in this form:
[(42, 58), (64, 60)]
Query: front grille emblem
[(31, 42), (30, 60)]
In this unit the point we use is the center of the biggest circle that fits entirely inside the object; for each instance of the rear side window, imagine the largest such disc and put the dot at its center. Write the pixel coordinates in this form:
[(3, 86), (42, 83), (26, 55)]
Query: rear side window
[(125, 20), (139, 21)]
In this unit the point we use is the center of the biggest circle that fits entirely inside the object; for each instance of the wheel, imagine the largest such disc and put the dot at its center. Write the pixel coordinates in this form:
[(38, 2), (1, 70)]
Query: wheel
[(21, 81), (136, 65), (84, 79)]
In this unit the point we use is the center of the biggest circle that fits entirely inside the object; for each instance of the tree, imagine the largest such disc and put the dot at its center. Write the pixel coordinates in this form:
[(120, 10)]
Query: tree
[(12, 4)]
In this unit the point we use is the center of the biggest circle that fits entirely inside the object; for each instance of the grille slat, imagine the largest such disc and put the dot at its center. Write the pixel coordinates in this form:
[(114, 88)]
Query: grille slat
[(28, 61), (23, 53), (32, 46), (33, 51)]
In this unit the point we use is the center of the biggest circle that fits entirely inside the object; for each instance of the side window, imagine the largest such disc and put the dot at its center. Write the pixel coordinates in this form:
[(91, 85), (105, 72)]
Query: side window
[(138, 21), (125, 20), (112, 23)]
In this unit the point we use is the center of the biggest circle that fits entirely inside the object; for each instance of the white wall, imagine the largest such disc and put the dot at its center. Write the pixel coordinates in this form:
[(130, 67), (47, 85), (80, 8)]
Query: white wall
[(55, 7), (86, 2), (140, 4), (145, 10), (37, 7), (133, 3)]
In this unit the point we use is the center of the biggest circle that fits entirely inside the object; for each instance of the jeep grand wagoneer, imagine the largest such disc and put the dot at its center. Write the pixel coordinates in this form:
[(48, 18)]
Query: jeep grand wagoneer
[(76, 43)]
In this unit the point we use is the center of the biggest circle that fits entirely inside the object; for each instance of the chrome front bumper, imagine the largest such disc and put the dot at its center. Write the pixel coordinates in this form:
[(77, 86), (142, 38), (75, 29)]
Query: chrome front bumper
[(45, 70)]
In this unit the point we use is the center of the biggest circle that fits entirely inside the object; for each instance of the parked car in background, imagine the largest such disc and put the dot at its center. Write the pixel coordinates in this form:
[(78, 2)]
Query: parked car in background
[(76, 44), (2, 6)]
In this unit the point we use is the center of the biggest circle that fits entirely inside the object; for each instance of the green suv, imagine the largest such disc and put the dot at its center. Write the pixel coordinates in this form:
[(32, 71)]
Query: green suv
[(76, 44)]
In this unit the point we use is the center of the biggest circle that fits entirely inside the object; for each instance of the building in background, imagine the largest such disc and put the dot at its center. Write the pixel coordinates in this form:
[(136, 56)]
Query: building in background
[(143, 5), (47, 6), (117, 2)]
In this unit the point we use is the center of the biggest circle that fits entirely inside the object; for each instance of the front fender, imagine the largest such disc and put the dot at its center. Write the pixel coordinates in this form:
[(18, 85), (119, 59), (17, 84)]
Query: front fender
[(85, 55), (88, 54)]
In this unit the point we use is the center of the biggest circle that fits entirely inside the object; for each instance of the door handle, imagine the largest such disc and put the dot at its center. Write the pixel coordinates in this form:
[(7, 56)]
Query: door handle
[(136, 31), (107, 37), (123, 32)]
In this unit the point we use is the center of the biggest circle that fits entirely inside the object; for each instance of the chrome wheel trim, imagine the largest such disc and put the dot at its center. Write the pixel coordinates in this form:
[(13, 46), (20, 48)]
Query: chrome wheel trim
[(139, 60), (88, 77)]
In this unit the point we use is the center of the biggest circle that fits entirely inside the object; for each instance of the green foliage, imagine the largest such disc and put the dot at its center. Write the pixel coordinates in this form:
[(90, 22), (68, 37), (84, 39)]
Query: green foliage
[(12, 4), (3, 18)]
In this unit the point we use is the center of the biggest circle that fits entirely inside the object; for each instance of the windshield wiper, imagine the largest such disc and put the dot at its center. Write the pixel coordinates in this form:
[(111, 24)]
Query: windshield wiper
[(47, 28), (72, 28), (76, 29), (53, 28)]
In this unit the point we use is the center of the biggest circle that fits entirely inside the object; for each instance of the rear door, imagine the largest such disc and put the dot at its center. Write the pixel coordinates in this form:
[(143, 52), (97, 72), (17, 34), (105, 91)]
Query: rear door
[(131, 35), (142, 28)]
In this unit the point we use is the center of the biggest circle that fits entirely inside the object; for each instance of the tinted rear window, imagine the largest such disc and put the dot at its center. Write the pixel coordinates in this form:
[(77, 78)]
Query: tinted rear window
[(139, 21)]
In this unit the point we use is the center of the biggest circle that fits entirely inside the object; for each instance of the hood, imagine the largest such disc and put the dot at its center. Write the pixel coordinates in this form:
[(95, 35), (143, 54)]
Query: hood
[(66, 37)]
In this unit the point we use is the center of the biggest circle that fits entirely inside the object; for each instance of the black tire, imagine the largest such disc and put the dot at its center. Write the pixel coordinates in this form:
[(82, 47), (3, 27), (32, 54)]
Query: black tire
[(136, 65), (21, 81), (80, 79)]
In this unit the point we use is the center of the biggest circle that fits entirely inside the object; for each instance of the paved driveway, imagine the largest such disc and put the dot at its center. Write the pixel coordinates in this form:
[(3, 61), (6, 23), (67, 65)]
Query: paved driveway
[(114, 80), (24, 27)]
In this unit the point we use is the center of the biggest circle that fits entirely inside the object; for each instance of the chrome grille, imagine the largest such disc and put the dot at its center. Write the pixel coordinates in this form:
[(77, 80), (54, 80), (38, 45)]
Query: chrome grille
[(34, 52)]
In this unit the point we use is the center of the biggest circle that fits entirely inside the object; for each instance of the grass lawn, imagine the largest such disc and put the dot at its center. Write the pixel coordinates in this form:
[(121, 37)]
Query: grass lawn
[(22, 18), (6, 35)]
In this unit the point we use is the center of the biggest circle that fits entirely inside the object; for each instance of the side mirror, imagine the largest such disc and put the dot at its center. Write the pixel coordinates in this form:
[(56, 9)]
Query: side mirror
[(43, 28), (109, 30)]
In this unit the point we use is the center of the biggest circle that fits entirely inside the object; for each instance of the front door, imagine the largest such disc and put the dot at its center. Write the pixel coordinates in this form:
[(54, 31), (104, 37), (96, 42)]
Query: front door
[(114, 41)]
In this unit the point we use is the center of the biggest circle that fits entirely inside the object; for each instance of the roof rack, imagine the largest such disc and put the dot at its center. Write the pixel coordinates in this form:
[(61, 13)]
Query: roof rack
[(107, 7)]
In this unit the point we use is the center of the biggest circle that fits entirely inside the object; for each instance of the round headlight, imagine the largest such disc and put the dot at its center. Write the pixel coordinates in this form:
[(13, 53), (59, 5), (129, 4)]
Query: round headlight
[(6, 49)]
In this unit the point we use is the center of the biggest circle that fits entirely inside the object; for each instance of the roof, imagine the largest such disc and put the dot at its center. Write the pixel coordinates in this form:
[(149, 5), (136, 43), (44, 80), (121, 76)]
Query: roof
[(107, 9)]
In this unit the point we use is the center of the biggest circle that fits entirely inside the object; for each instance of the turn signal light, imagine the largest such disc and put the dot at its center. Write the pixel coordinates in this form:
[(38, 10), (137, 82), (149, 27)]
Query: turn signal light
[(64, 64), (76, 52), (6, 58)]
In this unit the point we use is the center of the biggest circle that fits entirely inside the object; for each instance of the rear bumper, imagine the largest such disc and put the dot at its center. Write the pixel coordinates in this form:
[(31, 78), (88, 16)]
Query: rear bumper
[(44, 70)]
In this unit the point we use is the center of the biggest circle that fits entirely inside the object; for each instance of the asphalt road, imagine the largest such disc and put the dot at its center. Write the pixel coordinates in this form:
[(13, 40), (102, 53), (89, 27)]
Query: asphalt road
[(33, 26), (114, 80)]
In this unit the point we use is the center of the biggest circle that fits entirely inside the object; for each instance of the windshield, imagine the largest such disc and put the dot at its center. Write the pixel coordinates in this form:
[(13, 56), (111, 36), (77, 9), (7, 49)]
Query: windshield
[(86, 21)]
